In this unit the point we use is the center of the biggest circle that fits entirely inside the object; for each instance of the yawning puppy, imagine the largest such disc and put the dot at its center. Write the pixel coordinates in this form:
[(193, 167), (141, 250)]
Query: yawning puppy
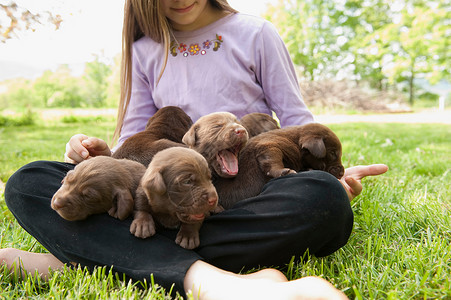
[(163, 130), (280, 152), (219, 137), (99, 184), (176, 190), (256, 123)]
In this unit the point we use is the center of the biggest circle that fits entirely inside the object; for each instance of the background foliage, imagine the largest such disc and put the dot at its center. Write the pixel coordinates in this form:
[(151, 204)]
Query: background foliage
[(397, 45), (386, 43), (98, 86), (20, 19)]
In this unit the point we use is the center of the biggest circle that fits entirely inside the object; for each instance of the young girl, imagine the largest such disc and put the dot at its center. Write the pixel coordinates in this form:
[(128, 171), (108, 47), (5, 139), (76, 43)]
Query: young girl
[(202, 56)]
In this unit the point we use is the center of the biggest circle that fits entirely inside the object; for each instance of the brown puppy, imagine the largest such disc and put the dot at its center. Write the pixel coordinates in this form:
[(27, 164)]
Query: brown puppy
[(256, 123), (99, 184), (176, 190), (279, 152), (167, 126), (219, 137)]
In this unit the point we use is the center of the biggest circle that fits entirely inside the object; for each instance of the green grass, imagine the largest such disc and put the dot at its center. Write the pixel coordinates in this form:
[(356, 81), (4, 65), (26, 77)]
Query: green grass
[(400, 247), (45, 140)]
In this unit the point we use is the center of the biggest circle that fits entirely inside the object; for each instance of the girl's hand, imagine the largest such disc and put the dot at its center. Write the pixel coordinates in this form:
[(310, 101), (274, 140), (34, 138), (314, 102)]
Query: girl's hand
[(81, 147), (353, 176)]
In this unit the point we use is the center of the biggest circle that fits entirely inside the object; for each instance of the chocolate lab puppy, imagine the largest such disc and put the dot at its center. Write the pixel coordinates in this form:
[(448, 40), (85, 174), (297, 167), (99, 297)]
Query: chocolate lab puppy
[(163, 130), (256, 123), (280, 152), (99, 184), (176, 191), (219, 137)]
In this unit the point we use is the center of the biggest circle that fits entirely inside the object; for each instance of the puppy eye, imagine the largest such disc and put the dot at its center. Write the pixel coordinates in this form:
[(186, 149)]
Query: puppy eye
[(332, 155), (187, 182)]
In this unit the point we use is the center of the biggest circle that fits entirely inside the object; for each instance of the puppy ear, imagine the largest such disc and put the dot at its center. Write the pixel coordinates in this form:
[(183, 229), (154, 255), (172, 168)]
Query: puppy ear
[(314, 145), (69, 176), (189, 138), (154, 182), (124, 202)]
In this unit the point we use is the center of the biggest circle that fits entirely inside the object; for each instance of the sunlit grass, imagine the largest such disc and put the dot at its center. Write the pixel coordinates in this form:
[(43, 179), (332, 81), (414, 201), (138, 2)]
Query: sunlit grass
[(400, 247)]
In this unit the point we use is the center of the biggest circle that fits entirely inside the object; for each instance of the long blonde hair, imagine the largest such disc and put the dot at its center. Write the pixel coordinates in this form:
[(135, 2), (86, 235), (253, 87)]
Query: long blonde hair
[(145, 18)]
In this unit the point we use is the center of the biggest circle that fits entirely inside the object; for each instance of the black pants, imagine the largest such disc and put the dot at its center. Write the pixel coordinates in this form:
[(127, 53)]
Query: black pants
[(308, 210)]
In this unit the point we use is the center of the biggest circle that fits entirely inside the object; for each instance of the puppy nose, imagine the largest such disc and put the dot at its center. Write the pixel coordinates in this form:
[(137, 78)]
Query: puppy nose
[(240, 131), (337, 171), (212, 201), (56, 204)]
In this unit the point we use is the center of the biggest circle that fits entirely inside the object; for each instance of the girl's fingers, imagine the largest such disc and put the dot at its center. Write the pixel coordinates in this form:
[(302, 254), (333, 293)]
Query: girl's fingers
[(75, 151), (360, 172), (355, 187), (96, 146)]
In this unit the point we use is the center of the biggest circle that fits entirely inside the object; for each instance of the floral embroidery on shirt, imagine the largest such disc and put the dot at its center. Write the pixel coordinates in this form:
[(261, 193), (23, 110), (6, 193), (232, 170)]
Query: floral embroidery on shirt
[(182, 47), (207, 44), (196, 48)]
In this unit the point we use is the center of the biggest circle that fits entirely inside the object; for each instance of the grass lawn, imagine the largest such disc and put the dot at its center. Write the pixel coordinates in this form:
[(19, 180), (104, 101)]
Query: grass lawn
[(401, 243)]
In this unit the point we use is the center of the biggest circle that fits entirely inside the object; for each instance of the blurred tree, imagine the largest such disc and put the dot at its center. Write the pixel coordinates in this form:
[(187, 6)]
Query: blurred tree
[(44, 87), (362, 18), (14, 18), (383, 42), (19, 94), (59, 89), (97, 87), (96, 82), (415, 45), (306, 27), (114, 87)]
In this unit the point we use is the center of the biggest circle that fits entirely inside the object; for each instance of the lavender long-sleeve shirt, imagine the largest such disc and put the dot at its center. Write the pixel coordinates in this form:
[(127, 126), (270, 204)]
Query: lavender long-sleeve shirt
[(237, 64)]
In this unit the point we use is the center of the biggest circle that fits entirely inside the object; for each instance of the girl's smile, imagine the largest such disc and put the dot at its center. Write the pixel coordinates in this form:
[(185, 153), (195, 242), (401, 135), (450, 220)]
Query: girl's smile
[(190, 15), (183, 10)]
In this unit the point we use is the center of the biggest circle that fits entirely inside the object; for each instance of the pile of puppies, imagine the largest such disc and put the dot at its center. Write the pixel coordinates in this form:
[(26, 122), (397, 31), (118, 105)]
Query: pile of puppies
[(175, 173)]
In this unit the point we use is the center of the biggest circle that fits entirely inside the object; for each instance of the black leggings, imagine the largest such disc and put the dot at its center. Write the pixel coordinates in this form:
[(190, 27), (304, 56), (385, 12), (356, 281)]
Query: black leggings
[(308, 210)]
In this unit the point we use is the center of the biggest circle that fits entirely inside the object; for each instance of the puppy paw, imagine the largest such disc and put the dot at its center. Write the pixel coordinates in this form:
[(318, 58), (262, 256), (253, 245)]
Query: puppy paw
[(190, 241), (289, 171), (113, 212), (280, 172), (218, 209), (142, 228)]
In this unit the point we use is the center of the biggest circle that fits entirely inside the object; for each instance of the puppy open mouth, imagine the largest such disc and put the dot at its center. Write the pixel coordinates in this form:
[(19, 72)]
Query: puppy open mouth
[(197, 217), (228, 160), (189, 218)]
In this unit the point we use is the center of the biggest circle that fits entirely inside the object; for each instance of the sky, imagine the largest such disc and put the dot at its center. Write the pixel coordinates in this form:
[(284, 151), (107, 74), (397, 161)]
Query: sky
[(89, 27)]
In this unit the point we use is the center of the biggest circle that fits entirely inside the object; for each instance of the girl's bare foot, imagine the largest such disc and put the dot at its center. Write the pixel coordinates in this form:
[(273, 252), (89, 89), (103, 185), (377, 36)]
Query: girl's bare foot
[(22, 261), (270, 274), (205, 282)]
